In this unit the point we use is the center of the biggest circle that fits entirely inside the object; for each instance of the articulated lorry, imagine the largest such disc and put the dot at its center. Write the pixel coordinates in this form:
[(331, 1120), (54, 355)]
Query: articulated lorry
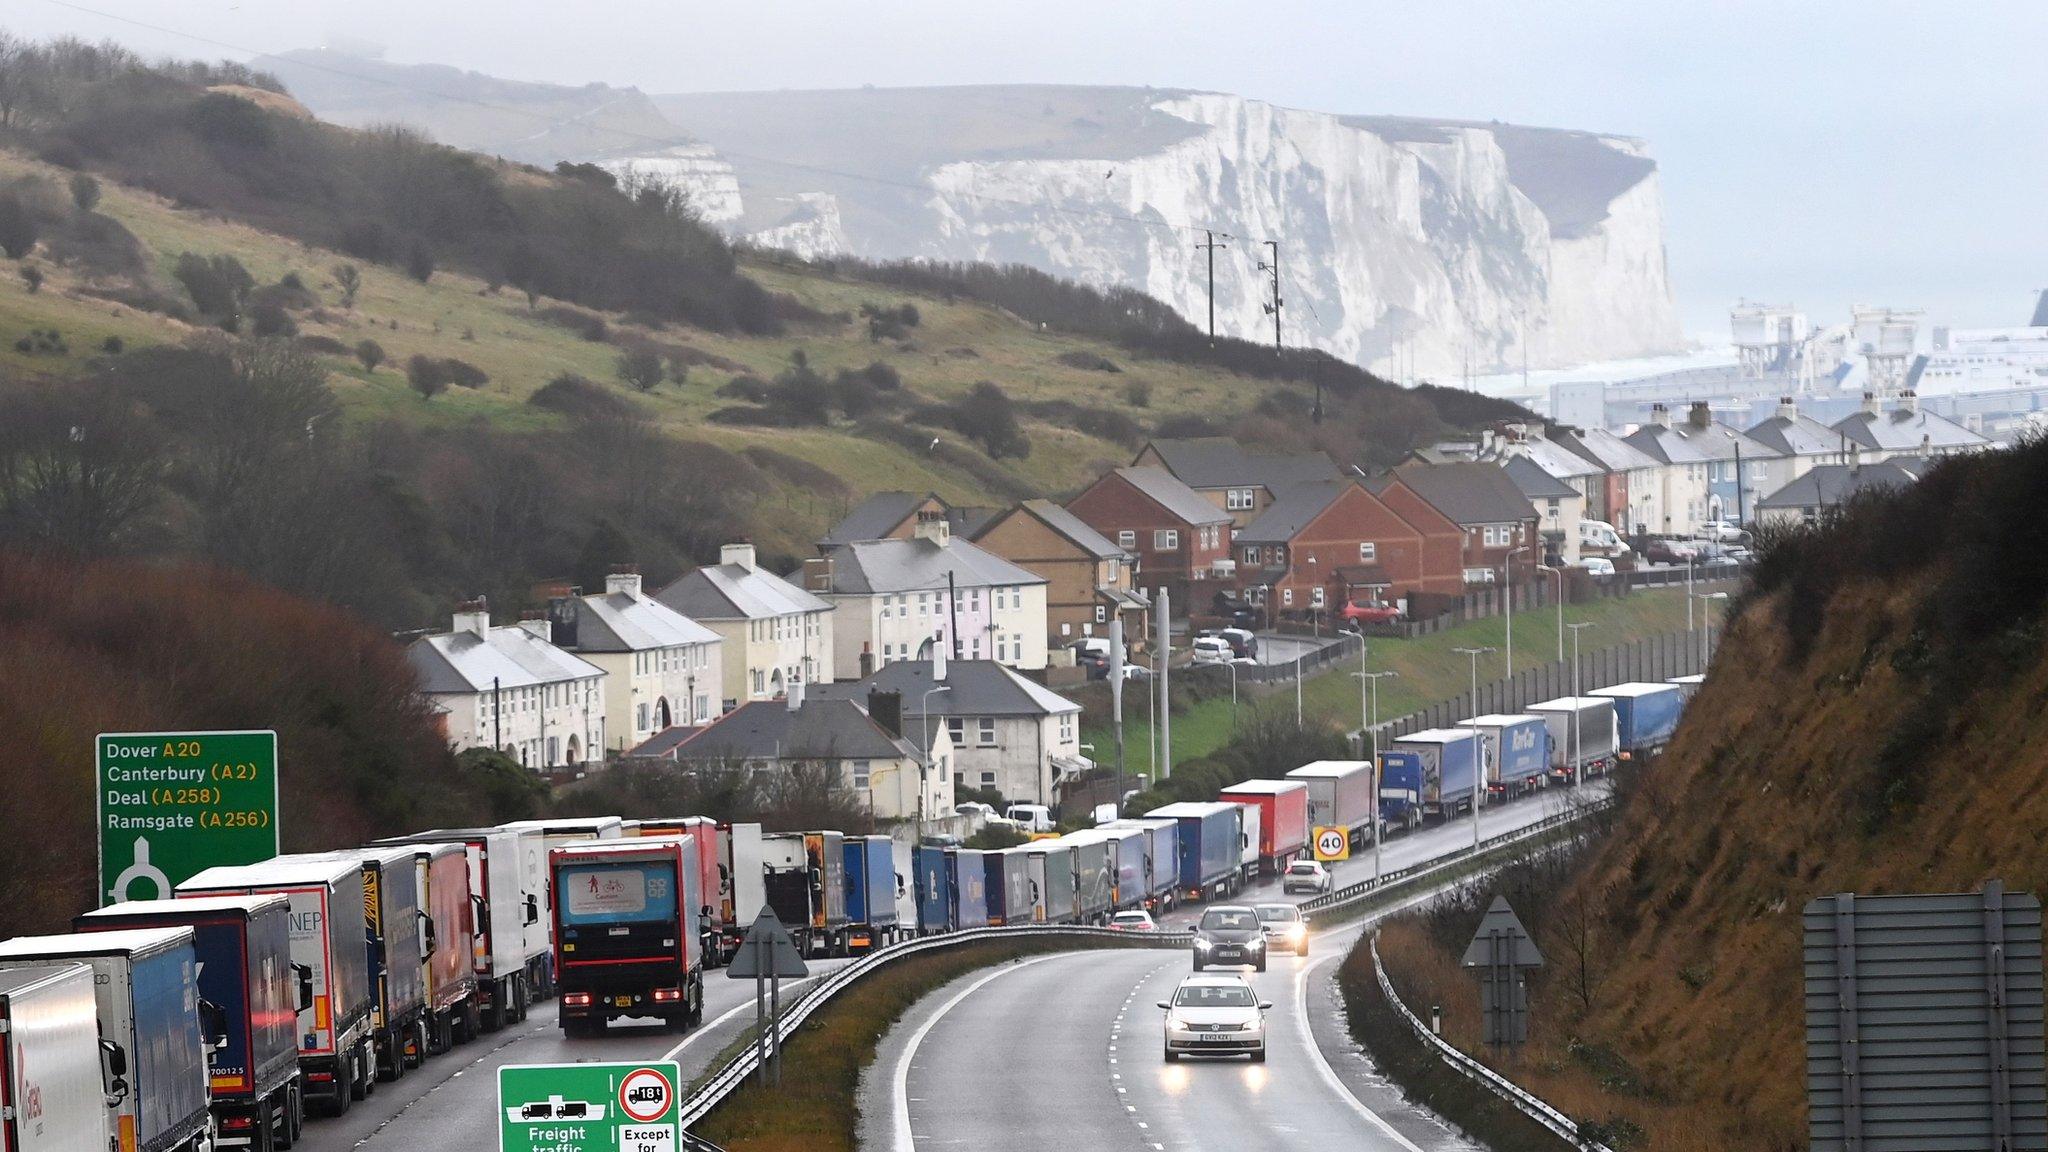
[(1516, 751), (1094, 875), (626, 940), (870, 874), (1645, 716), (1007, 872), (54, 1076), (709, 838), (1449, 763), (743, 879), (805, 883), (1050, 865), (1211, 845), (243, 948), (145, 984), (1340, 796), (337, 1051), (1583, 735), (1161, 881), (502, 911), (1282, 807), (398, 968)]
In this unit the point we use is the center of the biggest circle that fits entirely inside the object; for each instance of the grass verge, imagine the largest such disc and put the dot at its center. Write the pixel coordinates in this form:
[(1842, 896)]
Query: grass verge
[(817, 1107)]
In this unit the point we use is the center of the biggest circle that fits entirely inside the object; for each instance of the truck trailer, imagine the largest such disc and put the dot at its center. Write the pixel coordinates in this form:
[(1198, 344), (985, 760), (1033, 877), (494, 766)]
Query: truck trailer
[(503, 909), (1007, 873), (709, 838), (243, 948), (1401, 783), (145, 984), (337, 1056), (50, 1048), (870, 874), (805, 881), (966, 889), (626, 939), (1211, 847), (398, 972), (1283, 819), (1645, 716), (1516, 751), (1340, 796), (1449, 759), (1094, 861), (1162, 860), (447, 924), (1583, 735), (743, 885), (1128, 849), (1051, 868)]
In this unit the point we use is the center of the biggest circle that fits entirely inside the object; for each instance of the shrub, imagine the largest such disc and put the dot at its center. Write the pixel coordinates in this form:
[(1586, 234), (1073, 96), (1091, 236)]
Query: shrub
[(749, 388), (419, 262), (426, 377), (370, 353), (1088, 362), (43, 342), (98, 245), (463, 374), (886, 323), (32, 277), (85, 191), (986, 416), (1138, 394), (18, 226), (219, 286), (268, 318), (367, 239), (326, 345), (584, 399), (641, 368), (350, 281), (590, 327), (113, 345)]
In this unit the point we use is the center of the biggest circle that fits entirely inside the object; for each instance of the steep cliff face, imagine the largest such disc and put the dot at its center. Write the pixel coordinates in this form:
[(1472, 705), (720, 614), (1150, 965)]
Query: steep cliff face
[(1403, 241)]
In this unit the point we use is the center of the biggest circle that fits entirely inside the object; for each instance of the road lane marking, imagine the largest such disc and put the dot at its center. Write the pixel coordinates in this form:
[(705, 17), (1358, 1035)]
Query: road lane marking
[(722, 1017), (1322, 1063), (906, 1140)]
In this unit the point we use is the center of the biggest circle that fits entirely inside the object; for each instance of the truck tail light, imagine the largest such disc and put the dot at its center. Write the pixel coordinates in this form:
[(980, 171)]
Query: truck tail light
[(667, 995), (320, 1077), (238, 1123), (576, 999)]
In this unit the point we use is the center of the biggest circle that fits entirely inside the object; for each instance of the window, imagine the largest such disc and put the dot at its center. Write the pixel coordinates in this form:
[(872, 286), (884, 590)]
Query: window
[(1368, 552), (1165, 540), (1101, 614), (1251, 554), (640, 717), (985, 734), (1315, 596), (760, 681), (554, 742), (703, 709), (1116, 569), (1287, 597), (988, 779), (956, 727), (1066, 726), (1126, 538), (1066, 628), (860, 773)]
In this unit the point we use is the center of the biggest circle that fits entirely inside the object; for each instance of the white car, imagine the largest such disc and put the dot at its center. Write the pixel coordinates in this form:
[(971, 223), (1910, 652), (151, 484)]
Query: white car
[(1212, 650), (1723, 532), (1215, 1016), (1285, 928), (1030, 817), (1305, 876), (1133, 920), (1596, 566)]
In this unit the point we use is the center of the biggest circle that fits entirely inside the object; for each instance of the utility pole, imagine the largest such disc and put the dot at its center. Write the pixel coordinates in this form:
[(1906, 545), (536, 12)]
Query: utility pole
[(1165, 659), (1116, 700), (1478, 742), (1211, 246), (1373, 726), (1578, 749), (1272, 267), (1739, 519), (953, 612)]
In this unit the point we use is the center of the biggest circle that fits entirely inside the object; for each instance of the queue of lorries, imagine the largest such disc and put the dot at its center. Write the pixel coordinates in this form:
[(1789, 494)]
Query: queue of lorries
[(222, 1016)]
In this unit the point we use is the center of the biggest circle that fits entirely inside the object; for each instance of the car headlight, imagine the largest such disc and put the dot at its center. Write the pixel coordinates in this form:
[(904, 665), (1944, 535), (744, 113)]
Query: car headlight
[(1258, 942), (1201, 945), (1295, 930)]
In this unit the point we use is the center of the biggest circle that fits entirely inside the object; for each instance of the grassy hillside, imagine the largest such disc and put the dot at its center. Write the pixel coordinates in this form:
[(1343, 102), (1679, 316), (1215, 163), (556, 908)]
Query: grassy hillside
[(1874, 724)]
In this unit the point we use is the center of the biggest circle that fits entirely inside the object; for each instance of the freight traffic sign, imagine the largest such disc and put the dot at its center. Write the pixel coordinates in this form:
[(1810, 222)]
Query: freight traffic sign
[(173, 804), (1332, 843), (619, 1107)]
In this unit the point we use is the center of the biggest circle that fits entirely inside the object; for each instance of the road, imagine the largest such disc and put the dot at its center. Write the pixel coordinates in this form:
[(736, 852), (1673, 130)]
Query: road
[(451, 1102)]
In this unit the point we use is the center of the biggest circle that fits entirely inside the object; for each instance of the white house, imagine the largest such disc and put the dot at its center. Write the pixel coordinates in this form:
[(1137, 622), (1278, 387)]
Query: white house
[(511, 688), (663, 668), (1007, 732), (1872, 434), (775, 633), (1631, 495), (893, 598), (1681, 478), (1800, 442)]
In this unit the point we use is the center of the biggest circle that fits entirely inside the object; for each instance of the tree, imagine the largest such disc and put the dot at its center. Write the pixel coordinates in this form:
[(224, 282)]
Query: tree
[(350, 282), (85, 191), (79, 469), (219, 285), (419, 262), (986, 416), (678, 371), (425, 376), (509, 789), (641, 368), (19, 227), (32, 276), (371, 354)]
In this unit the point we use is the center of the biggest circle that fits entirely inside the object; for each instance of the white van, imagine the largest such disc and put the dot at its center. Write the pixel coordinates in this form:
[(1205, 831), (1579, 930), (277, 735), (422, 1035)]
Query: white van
[(1598, 538), (1030, 817)]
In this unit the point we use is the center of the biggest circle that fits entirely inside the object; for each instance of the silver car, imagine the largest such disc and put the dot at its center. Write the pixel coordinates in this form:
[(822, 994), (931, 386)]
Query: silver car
[(1215, 1016)]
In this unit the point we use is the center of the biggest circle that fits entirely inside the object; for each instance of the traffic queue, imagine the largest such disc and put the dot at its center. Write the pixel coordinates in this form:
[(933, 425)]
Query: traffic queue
[(262, 993)]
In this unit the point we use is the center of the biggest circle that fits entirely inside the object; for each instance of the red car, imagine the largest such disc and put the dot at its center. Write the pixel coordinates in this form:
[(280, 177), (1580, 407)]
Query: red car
[(1371, 612)]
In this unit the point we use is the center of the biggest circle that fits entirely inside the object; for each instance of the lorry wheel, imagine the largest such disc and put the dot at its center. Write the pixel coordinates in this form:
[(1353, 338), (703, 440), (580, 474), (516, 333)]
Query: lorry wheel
[(343, 1092), (297, 1105), (277, 1120), (422, 1038), (389, 1065), (371, 1068), (522, 1003)]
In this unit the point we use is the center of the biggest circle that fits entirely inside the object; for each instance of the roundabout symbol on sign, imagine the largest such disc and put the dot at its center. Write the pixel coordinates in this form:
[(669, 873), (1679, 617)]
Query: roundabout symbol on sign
[(644, 1094)]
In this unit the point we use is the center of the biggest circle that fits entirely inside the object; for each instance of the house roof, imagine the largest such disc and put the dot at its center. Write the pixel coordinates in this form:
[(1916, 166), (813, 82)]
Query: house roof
[(1669, 445), (1466, 493), (874, 518), (665, 742), (1535, 481), (459, 663), (1290, 512), (872, 567), (1174, 495), (624, 622), (1829, 485), (1073, 529), (818, 729), (1905, 430), (1604, 448), (1717, 441), (1220, 462), (732, 592), (1549, 455), (976, 688), (1796, 435)]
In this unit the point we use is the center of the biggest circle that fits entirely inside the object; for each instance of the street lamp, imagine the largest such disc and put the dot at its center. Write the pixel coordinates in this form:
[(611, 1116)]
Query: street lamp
[(1707, 623), (924, 770), (1372, 726), (1578, 749), (1507, 569), (1557, 571), (1472, 722)]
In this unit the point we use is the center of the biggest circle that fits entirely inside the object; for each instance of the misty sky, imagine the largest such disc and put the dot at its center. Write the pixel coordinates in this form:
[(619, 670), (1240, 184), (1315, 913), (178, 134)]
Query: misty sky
[(1821, 153)]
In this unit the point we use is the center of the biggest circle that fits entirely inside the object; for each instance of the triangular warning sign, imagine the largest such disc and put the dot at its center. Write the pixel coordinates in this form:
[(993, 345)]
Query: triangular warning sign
[(767, 951), (1515, 948)]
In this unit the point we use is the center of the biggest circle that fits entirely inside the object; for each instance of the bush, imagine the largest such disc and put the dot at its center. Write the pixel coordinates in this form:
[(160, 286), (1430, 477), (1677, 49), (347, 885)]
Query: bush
[(419, 262), (85, 191), (43, 342), (749, 388), (113, 345), (1089, 362), (18, 226), (350, 281), (886, 323), (268, 318), (590, 327), (1138, 394), (371, 354), (641, 368), (584, 399), (219, 286), (986, 416), (426, 376), (32, 278), (463, 374)]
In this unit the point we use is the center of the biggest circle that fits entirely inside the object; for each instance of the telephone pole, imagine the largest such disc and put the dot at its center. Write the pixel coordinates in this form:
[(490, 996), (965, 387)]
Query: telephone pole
[(1272, 267), (1211, 246)]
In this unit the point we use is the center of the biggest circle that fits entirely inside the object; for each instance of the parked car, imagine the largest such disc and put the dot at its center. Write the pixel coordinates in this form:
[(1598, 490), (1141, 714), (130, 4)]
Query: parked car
[(1241, 613), (1215, 1015), (1030, 817), (1211, 650), (1307, 875), (1242, 641), (1481, 576), (1670, 552), (1596, 566), (1371, 612), (1723, 531)]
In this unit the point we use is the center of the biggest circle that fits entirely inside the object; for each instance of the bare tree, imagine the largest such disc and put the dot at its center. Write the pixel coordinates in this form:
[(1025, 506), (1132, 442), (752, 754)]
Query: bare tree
[(78, 472)]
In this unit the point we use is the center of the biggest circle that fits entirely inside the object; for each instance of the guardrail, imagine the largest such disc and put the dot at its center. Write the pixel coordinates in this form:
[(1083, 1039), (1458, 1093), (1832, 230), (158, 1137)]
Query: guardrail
[(735, 1072), (1524, 1101), (1430, 869)]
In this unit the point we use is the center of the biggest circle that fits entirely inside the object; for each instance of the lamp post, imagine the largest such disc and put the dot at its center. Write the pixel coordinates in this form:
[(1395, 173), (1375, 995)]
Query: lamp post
[(1557, 571), (1578, 749), (1372, 726), (1507, 570), (1232, 665), (924, 709), (1707, 623), (1478, 758)]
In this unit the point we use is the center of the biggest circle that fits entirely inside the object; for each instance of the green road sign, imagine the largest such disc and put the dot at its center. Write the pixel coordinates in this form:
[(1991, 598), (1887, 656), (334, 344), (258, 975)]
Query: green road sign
[(588, 1107), (173, 804)]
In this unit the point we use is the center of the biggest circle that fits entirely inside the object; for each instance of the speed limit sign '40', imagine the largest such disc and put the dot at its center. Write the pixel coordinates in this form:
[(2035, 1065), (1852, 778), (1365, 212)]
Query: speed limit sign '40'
[(1332, 843)]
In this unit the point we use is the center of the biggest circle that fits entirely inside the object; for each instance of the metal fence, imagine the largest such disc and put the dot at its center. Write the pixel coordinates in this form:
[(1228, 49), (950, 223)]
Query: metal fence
[(1652, 658)]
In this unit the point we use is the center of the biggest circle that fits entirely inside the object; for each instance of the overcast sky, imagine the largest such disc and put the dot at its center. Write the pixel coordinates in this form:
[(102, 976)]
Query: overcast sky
[(1818, 153)]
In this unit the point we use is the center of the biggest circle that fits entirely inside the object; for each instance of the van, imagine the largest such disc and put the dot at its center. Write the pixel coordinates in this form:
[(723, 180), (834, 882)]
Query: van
[(1030, 817), (1598, 538)]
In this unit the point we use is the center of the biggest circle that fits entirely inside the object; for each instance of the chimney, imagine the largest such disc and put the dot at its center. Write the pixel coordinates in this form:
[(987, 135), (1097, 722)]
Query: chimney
[(536, 624), (867, 659), (624, 579), (818, 574), (1909, 403), (1872, 404), (1660, 416), (1788, 408), (938, 659), (473, 617), (740, 555), (886, 709), (1700, 416), (794, 695), (936, 530)]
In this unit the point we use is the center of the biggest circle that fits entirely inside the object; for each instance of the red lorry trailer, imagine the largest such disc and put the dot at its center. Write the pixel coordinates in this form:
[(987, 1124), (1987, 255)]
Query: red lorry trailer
[(626, 943), (1283, 819)]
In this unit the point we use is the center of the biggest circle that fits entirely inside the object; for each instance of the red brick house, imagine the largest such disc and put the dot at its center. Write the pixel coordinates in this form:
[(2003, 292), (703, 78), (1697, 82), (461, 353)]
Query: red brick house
[(1493, 518), (1443, 541), (1322, 544), (1179, 538)]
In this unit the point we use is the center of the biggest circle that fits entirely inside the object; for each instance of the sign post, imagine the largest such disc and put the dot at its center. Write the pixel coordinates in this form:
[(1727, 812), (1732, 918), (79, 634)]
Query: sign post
[(173, 804), (1501, 950), (619, 1107), (767, 955), (1332, 843)]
